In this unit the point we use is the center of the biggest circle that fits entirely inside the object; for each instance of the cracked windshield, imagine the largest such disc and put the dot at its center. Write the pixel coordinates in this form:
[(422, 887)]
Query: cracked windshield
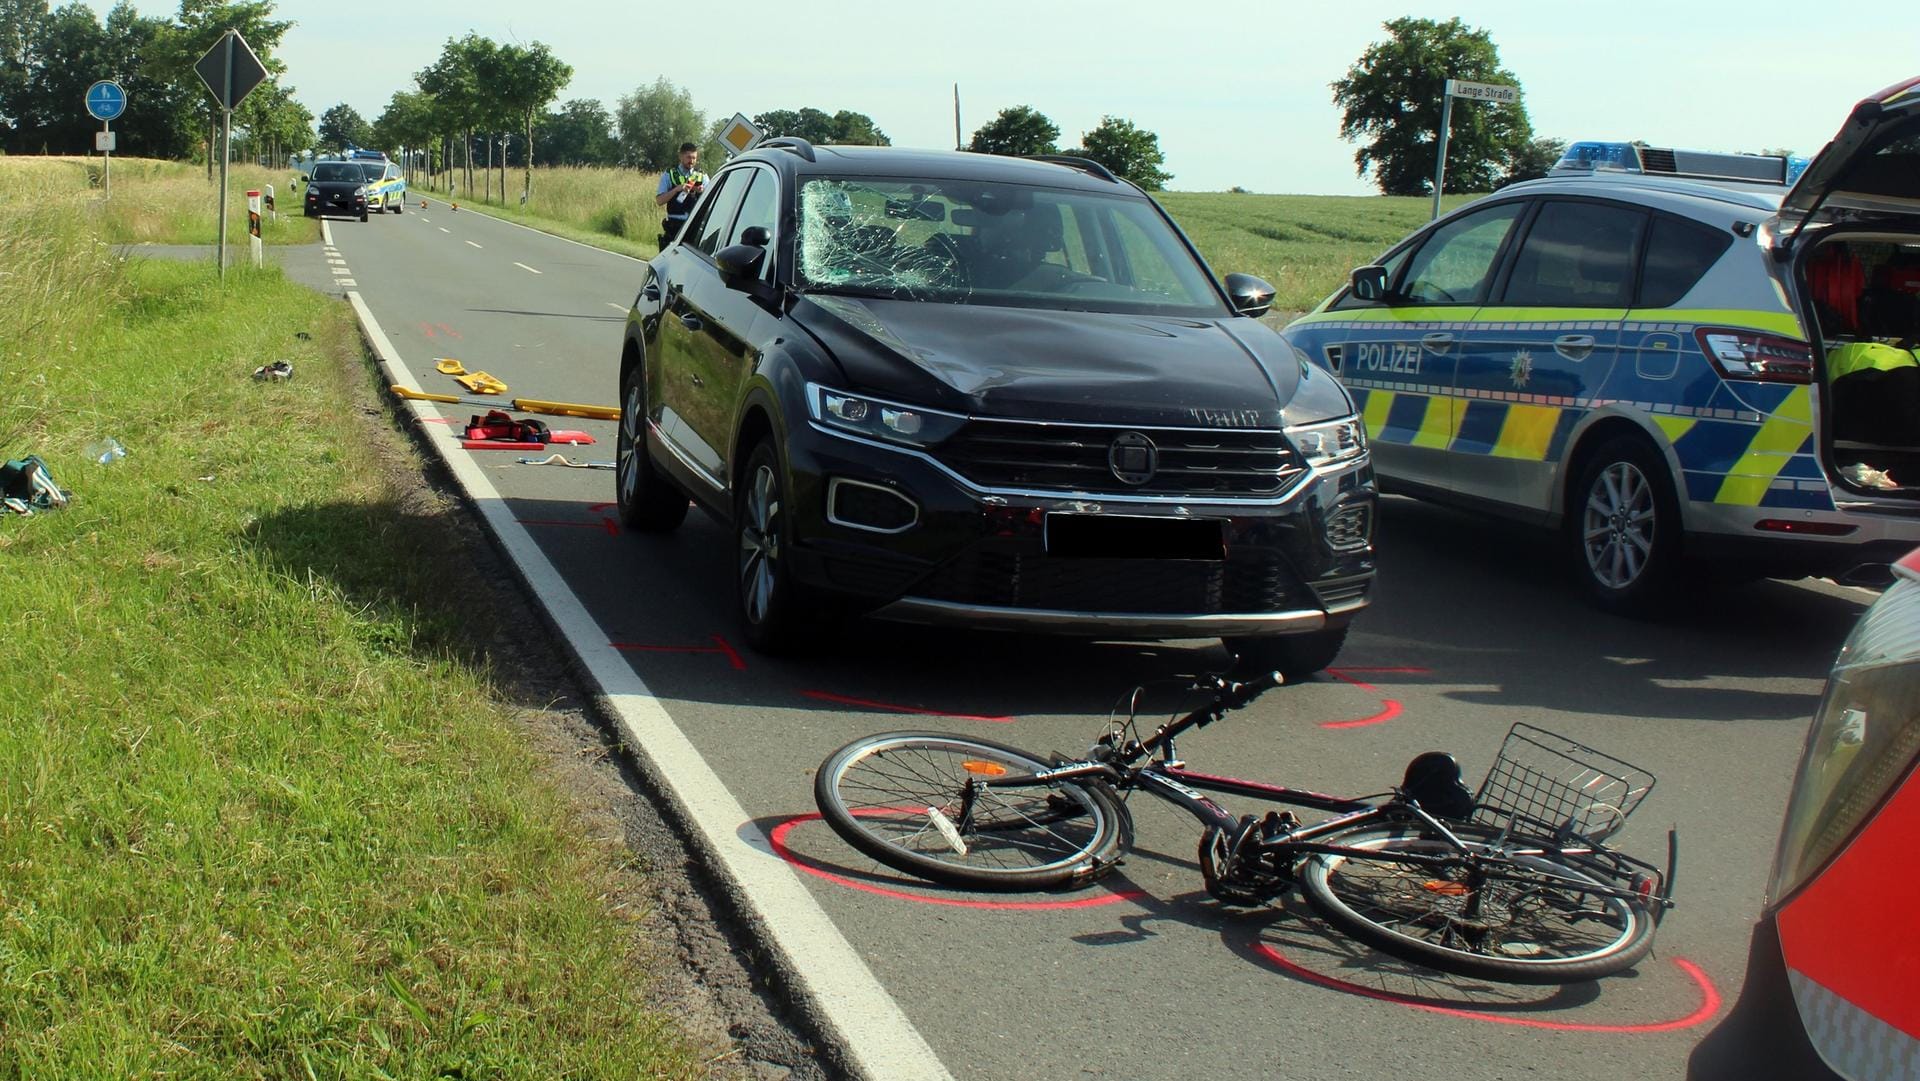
[(962, 242)]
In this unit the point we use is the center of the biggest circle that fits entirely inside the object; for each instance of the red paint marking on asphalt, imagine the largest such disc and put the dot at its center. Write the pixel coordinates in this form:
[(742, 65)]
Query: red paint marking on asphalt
[(1390, 707), (868, 703), (1709, 1000), (592, 507), (778, 839), (603, 523), (720, 646), (436, 420), (426, 329), (448, 331)]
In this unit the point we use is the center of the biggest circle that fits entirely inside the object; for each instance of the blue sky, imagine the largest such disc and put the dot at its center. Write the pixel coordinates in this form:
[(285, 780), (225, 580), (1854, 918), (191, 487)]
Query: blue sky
[(1235, 99)]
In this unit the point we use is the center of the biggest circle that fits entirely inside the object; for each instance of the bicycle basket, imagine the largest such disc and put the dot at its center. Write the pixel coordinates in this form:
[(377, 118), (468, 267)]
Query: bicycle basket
[(1546, 783)]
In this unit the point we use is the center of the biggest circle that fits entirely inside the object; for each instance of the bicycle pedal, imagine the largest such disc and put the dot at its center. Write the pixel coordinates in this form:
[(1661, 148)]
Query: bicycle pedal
[(1277, 824)]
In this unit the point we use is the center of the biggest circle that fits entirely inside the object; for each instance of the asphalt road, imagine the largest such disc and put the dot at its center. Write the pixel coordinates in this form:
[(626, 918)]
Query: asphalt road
[(1142, 976)]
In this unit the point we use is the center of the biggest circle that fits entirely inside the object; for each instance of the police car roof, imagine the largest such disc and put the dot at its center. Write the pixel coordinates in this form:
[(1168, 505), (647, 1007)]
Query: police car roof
[(1681, 195), (894, 161)]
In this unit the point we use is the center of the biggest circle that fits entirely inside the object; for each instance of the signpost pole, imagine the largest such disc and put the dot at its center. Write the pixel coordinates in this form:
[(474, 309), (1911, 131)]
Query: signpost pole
[(226, 134), (106, 162), (1446, 125)]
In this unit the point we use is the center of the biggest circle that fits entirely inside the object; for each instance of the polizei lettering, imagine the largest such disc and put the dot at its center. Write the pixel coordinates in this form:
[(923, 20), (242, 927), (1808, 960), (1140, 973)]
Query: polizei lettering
[(1403, 357)]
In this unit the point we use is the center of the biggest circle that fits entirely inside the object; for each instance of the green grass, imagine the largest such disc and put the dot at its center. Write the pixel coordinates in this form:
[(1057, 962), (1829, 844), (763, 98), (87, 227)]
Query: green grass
[(164, 202), (263, 812), (1304, 244)]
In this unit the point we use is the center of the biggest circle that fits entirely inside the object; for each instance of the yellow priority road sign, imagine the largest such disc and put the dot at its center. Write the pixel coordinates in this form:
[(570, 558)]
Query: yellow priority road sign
[(739, 135)]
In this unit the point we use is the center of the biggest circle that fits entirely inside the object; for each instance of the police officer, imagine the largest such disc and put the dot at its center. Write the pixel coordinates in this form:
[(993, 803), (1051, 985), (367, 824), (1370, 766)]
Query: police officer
[(679, 189)]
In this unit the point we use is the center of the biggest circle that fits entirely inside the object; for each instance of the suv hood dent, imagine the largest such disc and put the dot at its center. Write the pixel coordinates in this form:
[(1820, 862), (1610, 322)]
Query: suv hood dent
[(1047, 364), (1873, 163)]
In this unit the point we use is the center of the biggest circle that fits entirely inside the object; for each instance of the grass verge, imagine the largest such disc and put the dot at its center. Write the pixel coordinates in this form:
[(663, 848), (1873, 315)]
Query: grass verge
[(265, 813)]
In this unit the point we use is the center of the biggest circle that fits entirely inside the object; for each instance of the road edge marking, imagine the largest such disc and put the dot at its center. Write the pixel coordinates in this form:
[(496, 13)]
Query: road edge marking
[(838, 991)]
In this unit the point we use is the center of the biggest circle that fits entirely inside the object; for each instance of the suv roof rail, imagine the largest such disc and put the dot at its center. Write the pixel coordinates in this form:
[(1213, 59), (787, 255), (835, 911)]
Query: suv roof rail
[(788, 142), (1083, 164)]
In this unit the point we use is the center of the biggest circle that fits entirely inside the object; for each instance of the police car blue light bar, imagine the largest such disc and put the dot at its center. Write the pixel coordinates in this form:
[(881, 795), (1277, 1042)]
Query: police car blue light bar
[(1592, 156)]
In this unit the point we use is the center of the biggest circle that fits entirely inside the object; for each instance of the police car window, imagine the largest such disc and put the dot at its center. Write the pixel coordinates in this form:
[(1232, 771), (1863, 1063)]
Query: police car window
[(721, 203), (1577, 255), (760, 207), (1678, 254), (1456, 262)]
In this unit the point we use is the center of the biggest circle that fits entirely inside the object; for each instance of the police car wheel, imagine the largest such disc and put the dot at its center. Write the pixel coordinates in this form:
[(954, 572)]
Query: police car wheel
[(1624, 523)]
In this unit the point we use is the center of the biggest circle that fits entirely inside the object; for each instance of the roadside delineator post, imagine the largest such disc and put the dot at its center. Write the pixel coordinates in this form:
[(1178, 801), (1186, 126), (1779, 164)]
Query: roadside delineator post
[(253, 225), (271, 211)]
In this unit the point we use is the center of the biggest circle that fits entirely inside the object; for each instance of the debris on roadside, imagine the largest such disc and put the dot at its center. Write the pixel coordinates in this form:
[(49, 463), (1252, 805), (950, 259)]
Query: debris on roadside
[(104, 451), (502, 431), (561, 459), (27, 486), (278, 372)]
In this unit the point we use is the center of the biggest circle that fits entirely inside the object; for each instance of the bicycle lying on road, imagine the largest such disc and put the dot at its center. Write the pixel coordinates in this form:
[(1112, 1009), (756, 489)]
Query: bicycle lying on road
[(1513, 883)]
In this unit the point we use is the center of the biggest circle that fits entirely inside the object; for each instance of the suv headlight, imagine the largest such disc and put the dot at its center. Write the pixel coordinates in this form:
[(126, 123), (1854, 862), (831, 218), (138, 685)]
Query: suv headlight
[(877, 419), (1331, 442)]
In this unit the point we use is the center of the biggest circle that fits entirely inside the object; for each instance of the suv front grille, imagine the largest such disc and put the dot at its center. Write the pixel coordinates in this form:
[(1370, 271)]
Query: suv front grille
[(1071, 458), (1257, 581)]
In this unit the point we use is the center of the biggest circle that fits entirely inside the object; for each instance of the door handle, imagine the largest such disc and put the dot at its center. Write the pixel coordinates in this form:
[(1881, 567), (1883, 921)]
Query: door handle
[(692, 322), (1574, 346), (1438, 342)]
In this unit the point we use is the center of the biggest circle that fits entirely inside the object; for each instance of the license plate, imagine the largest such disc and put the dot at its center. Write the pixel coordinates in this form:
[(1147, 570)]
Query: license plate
[(1115, 536)]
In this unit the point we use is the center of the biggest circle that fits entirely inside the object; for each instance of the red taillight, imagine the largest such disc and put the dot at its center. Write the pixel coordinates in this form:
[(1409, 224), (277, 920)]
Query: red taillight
[(1816, 529), (1750, 354)]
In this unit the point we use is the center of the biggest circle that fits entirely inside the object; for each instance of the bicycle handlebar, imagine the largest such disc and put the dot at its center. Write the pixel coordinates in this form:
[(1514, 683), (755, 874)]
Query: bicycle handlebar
[(1236, 695)]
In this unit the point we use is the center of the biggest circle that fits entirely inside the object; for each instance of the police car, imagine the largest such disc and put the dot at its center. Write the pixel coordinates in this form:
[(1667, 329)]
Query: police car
[(1710, 363), (386, 183)]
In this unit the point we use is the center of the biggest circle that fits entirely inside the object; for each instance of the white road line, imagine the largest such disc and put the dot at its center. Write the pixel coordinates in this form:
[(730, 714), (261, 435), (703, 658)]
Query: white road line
[(616, 307), (345, 282), (471, 244), (865, 1021), (562, 239), (326, 232), (444, 229), (526, 268)]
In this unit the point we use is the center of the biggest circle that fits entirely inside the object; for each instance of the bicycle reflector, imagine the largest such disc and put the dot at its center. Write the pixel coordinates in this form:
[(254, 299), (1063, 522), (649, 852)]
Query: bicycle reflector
[(981, 768)]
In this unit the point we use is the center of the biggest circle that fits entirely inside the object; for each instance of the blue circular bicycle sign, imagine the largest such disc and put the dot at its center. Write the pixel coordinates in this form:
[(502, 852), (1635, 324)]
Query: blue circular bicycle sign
[(105, 100)]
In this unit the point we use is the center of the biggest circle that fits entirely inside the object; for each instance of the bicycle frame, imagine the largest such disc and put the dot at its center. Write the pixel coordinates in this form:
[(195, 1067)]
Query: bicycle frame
[(1168, 779)]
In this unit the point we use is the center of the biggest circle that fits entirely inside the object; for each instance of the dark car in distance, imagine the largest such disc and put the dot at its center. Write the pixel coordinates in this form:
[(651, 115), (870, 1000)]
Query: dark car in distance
[(1007, 393), (337, 188)]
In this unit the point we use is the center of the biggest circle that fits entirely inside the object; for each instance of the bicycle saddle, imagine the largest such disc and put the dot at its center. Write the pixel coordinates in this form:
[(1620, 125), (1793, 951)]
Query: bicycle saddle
[(1433, 781)]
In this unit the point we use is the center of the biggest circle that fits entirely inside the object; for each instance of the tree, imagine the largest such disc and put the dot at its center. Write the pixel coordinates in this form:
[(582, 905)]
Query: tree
[(20, 38), (580, 133), (530, 78), (341, 127), (1129, 151), (654, 120), (406, 123), (70, 50), (460, 101), (1018, 131), (1532, 161), (845, 127), (1392, 99), (197, 27)]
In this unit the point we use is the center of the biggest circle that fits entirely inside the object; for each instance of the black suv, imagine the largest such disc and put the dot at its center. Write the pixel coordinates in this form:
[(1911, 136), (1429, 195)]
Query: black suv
[(945, 387)]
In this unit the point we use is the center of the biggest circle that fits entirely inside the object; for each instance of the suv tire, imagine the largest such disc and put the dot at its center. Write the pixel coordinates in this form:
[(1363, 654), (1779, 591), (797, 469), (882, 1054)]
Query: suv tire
[(770, 602), (1294, 656), (647, 501), (1623, 528)]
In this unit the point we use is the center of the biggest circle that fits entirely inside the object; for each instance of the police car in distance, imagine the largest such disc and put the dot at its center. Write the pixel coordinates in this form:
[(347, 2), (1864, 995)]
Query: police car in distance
[(1701, 365), (386, 182)]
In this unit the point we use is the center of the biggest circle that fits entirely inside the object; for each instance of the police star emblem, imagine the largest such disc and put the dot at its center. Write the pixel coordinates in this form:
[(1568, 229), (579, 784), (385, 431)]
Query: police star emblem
[(1522, 370)]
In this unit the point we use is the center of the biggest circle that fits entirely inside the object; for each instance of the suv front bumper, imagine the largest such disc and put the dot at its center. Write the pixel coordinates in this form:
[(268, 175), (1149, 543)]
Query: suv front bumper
[(982, 558)]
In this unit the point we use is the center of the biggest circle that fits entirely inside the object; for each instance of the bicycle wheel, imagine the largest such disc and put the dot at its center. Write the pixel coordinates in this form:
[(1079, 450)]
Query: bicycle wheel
[(909, 800), (1527, 921)]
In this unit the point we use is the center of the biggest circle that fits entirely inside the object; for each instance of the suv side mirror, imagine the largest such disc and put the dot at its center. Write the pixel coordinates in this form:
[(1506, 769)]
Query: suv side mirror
[(1250, 295), (1370, 283), (740, 264)]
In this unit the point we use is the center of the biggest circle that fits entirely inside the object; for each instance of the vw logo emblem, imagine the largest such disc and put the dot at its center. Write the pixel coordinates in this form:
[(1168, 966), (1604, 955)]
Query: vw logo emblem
[(1133, 458)]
